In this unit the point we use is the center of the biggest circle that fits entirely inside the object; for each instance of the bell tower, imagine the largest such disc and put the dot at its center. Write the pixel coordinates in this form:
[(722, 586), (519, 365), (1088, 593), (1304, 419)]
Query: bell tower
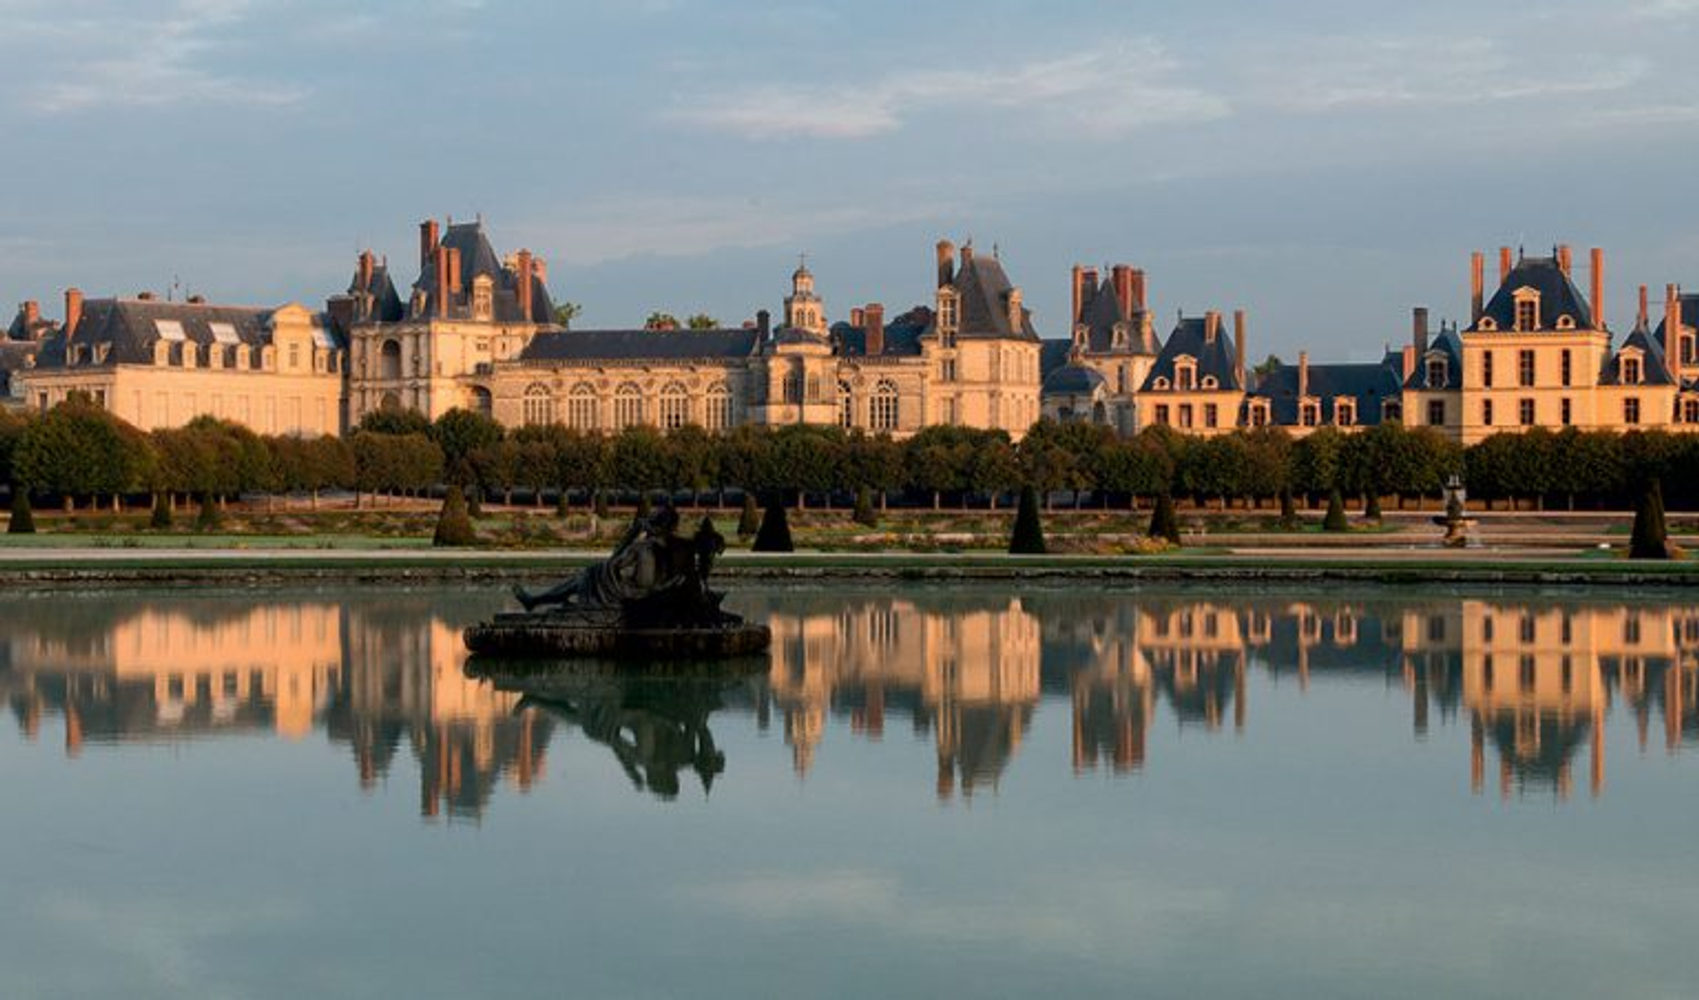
[(803, 308)]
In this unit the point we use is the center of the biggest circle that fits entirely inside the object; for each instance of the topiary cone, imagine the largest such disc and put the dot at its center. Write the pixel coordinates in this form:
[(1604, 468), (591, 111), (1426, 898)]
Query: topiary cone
[(1028, 536), (775, 532), (1335, 519), (454, 524), (750, 522), (160, 519), (1163, 522), (865, 515), (23, 518), (207, 518), (1650, 539)]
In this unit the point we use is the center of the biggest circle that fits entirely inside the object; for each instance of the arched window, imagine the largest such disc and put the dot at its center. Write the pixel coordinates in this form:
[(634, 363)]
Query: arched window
[(581, 407), (539, 405), (675, 406), (846, 405), (794, 384), (389, 360), (719, 407), (628, 406), (884, 411)]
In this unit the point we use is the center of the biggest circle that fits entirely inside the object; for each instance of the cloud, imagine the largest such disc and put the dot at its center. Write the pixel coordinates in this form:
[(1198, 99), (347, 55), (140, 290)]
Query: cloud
[(149, 59), (1128, 83)]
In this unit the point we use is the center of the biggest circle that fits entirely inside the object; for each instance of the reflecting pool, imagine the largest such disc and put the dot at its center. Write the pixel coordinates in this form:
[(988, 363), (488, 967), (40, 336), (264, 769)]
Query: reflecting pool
[(920, 792)]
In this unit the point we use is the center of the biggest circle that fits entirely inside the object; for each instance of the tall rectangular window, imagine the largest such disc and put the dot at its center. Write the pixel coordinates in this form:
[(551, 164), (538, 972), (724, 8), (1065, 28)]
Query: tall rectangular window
[(1525, 412), (1211, 415), (1487, 368), (1527, 315), (1565, 413), (1525, 368), (1631, 411), (1487, 412), (1436, 413), (1568, 367), (1185, 414), (1161, 411)]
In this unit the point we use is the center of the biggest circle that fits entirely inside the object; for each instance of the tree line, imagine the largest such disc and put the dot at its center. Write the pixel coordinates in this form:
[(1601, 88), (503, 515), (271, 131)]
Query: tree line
[(80, 452)]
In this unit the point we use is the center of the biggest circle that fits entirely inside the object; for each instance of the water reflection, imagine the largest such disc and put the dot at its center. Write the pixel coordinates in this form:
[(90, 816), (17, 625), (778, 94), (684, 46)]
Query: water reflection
[(1535, 681)]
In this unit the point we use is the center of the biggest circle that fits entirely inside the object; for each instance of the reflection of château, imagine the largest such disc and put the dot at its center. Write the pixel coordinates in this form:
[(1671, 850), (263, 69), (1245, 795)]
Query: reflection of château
[(176, 670)]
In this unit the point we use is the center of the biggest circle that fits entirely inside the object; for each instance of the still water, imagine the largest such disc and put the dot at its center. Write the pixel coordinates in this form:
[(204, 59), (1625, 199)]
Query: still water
[(922, 792)]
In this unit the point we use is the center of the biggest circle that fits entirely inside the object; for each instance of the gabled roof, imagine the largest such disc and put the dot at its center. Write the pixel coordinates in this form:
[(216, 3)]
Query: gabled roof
[(478, 258), (1073, 380), (1447, 344), (131, 327), (387, 306), (1653, 370), (983, 290), (640, 345), (1368, 384), (15, 356), (902, 336), (1558, 296), (1053, 354), (1191, 338), (1101, 312)]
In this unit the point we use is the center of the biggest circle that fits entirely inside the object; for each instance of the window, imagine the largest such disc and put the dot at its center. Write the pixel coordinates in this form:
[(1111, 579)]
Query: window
[(1525, 412), (1185, 414), (947, 370), (1528, 314), (1525, 671), (1525, 368), (1211, 416), (794, 385), (1345, 412), (581, 407), (539, 405), (1436, 413), (294, 356), (1211, 382), (884, 412), (1487, 412), (1690, 411), (482, 299), (1565, 414), (675, 406), (1185, 378), (1392, 409), (846, 405), (1487, 672), (628, 406), (1631, 411), (1631, 630), (389, 360), (1309, 414), (1686, 350), (1259, 414), (1630, 371), (1161, 410), (1568, 367), (1436, 373), (1525, 630), (1487, 368), (947, 315), (1121, 379), (719, 407)]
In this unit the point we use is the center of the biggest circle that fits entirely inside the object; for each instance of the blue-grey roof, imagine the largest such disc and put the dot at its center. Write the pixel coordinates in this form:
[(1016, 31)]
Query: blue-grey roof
[(1558, 296), (1653, 370), (1448, 345), (1368, 384), (1100, 311), (1053, 354), (902, 336), (639, 345), (386, 302), (478, 257), (983, 290), (1191, 338), (130, 327), (1073, 380)]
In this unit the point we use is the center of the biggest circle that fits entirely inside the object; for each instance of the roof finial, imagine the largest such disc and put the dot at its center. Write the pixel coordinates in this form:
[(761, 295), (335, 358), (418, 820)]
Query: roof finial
[(996, 251)]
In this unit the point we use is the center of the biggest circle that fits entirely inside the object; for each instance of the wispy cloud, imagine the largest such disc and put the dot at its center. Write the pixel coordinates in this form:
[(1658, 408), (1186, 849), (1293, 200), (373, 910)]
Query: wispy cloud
[(1129, 83), (146, 58)]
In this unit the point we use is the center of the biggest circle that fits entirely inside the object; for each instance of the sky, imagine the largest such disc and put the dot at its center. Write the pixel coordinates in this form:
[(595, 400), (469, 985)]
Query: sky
[(1324, 164)]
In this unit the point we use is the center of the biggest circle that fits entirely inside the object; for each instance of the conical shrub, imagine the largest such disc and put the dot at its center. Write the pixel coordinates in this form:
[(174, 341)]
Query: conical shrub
[(160, 519), (1650, 539), (472, 498), (599, 506), (774, 534), (454, 524), (207, 519), (23, 518), (1371, 507), (1164, 523), (750, 522), (865, 515), (1028, 536), (1335, 519), (1288, 510)]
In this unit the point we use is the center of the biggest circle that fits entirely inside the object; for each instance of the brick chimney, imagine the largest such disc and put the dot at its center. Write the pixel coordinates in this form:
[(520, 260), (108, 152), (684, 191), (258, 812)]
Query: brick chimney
[(946, 263), (763, 324), (1419, 329), (367, 263), (1565, 259), (427, 242), (1139, 304), (1477, 285), (1088, 289), (1672, 331), (1641, 317), (1504, 264), (1017, 315), (875, 317), (1122, 277), (73, 310), (1079, 293), (1239, 346), (454, 276), (1598, 276), (858, 318), (32, 315), (1303, 374), (441, 264), (524, 278), (1211, 326), (1407, 357)]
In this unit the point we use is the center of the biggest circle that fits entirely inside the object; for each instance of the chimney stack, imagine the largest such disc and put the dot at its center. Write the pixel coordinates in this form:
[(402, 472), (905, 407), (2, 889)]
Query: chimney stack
[(1477, 286), (367, 263), (1503, 264), (1419, 329), (1079, 292), (1408, 359), (763, 324), (967, 254), (1303, 374), (1211, 325), (1017, 315), (1138, 290), (946, 263), (1239, 346), (875, 315), (73, 311), (1565, 259), (1122, 276), (454, 270), (1598, 275), (440, 263), (32, 316), (524, 279), (1641, 318), (427, 242), (858, 318), (1672, 332)]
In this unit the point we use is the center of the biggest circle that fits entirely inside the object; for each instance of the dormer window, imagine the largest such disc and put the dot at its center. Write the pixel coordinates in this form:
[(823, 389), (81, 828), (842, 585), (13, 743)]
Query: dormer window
[(1258, 413), (1527, 309), (1487, 324), (1160, 383), (1082, 334), (1631, 372), (1119, 337), (1345, 412), (1309, 414), (1437, 373), (1211, 382), (947, 315), (1566, 322), (483, 298), (1185, 375)]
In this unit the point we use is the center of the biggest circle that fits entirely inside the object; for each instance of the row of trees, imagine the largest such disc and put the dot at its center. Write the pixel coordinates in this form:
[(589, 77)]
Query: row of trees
[(80, 450)]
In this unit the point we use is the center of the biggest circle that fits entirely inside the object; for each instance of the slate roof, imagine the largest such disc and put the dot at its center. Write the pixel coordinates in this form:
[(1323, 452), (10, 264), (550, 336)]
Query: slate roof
[(1368, 384), (131, 327), (641, 345), (1689, 317), (1190, 338), (1073, 380), (15, 356), (1053, 354), (1558, 296), (983, 290), (478, 257), (1101, 311), (41, 328), (1447, 343), (1653, 370), (387, 306), (902, 336)]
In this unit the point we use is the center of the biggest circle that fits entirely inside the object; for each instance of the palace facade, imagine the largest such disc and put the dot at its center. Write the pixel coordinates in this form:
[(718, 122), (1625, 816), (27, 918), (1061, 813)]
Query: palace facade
[(477, 330)]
